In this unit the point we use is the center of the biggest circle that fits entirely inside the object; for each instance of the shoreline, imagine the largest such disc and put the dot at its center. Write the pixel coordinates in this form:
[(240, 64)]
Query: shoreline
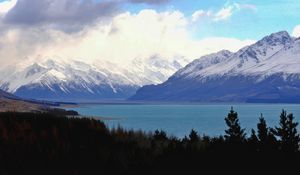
[(96, 117), (83, 104)]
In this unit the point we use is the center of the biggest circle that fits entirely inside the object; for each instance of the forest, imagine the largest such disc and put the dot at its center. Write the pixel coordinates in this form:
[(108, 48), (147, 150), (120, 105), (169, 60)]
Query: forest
[(52, 143)]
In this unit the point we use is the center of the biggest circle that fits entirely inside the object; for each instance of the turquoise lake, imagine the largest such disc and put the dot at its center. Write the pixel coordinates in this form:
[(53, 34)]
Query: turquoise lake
[(179, 119)]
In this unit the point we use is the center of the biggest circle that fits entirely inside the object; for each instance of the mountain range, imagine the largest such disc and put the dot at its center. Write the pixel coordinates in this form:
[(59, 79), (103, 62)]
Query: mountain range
[(267, 71), (73, 80)]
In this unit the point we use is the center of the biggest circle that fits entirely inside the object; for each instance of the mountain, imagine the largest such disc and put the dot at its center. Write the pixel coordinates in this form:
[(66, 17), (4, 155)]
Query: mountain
[(73, 80), (267, 71)]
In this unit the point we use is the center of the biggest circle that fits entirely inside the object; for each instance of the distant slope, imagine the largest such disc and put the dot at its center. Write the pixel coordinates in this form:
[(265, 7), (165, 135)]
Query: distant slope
[(267, 71), (18, 106), (9, 102), (4, 94)]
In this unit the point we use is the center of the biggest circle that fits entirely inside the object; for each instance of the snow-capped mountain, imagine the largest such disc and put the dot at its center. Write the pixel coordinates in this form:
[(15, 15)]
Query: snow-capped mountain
[(55, 79), (267, 71)]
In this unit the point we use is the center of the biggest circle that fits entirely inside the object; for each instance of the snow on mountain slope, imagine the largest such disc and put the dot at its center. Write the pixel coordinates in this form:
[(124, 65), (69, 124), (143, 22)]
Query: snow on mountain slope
[(267, 71), (287, 61), (77, 80), (193, 69), (245, 61), (156, 70)]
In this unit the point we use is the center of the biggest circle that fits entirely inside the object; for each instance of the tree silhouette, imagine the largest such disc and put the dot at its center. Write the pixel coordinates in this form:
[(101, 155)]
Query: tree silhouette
[(253, 140), (267, 141), (57, 144), (194, 137), (234, 133), (262, 129), (287, 132), (160, 135), (253, 136)]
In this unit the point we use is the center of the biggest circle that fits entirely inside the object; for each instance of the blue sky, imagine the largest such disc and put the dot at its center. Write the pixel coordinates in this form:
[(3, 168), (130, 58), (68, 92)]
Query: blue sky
[(270, 16)]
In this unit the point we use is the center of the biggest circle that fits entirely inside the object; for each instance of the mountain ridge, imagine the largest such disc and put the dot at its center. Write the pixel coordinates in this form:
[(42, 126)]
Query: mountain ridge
[(266, 71), (73, 80)]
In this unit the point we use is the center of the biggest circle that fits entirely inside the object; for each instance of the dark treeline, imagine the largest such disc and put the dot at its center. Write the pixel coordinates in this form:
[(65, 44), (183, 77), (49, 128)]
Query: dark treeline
[(48, 143)]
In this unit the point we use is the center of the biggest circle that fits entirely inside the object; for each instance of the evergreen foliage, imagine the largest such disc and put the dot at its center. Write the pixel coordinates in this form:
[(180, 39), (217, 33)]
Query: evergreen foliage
[(234, 133), (47, 143), (194, 137), (287, 132)]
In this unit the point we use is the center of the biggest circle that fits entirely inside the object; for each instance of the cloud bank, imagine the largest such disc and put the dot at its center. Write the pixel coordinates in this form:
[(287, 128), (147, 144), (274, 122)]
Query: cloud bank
[(152, 2), (104, 34), (62, 14)]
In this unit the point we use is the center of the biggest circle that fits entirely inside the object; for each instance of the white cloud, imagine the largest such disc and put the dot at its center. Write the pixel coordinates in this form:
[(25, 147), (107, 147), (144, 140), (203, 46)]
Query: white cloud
[(199, 14), (214, 44), (296, 31), (224, 14), (126, 37), (251, 7), (7, 5)]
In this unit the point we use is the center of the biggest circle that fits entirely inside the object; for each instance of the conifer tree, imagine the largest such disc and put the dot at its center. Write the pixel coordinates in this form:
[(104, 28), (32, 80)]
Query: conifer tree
[(234, 133), (262, 129), (253, 140), (267, 140), (160, 135), (194, 137), (287, 132), (253, 136)]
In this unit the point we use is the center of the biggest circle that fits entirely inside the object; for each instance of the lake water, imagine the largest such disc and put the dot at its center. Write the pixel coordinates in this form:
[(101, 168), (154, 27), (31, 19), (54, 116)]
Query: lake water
[(179, 119)]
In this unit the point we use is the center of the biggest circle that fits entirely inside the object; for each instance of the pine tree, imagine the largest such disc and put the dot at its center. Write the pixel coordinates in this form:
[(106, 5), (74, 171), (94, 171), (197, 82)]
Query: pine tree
[(160, 135), (234, 133), (262, 129), (253, 140), (267, 140), (253, 136), (287, 132), (194, 137)]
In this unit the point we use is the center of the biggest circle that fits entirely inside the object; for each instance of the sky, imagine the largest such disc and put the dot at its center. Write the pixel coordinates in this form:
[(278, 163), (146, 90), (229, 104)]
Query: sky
[(122, 30)]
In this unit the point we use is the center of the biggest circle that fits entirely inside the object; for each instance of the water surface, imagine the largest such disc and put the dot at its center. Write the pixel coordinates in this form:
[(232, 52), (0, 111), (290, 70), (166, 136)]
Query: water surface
[(179, 119)]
